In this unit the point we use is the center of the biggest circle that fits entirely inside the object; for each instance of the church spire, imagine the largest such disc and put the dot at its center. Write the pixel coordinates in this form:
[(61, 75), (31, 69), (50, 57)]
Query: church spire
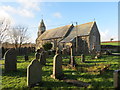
[(41, 28)]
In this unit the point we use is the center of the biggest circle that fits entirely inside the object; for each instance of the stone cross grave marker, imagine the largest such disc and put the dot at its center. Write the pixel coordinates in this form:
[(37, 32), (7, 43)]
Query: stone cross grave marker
[(57, 66), (34, 73), (10, 60)]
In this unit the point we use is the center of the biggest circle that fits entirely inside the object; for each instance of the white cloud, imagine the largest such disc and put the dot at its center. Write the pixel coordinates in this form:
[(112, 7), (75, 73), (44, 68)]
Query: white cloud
[(26, 13), (106, 35), (29, 4), (25, 8), (57, 15), (6, 16), (19, 11)]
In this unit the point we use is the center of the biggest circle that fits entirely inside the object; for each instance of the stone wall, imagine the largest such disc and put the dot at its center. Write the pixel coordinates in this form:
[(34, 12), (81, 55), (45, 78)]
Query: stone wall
[(94, 39)]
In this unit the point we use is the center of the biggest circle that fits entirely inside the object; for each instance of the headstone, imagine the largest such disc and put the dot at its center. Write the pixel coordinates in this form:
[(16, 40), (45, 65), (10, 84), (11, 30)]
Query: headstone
[(26, 53), (0, 51), (26, 57), (37, 55), (72, 58), (34, 73), (64, 51), (3, 52), (43, 58), (72, 63), (41, 50), (82, 58), (57, 66), (116, 78), (10, 60), (93, 52)]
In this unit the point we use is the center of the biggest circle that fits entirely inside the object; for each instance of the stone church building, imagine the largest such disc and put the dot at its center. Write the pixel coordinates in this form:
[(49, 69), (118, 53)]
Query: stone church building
[(83, 38)]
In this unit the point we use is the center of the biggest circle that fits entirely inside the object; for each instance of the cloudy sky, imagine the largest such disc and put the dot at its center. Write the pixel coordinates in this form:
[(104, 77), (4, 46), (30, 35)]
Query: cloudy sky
[(55, 14)]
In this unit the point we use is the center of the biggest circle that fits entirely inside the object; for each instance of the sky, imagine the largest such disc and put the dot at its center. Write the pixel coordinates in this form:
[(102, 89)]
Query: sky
[(56, 14)]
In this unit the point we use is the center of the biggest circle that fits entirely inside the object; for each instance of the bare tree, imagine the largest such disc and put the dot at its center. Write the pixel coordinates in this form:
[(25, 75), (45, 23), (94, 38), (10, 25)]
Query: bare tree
[(4, 27), (18, 36)]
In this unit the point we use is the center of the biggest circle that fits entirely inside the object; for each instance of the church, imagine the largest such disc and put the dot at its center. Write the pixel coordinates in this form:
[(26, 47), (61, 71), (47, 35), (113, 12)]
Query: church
[(83, 38)]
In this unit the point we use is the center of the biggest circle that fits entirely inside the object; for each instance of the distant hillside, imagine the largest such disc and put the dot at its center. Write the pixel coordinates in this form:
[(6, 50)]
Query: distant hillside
[(111, 43)]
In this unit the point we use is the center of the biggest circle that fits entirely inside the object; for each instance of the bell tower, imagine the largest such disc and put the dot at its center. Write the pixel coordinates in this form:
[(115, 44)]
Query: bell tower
[(41, 28)]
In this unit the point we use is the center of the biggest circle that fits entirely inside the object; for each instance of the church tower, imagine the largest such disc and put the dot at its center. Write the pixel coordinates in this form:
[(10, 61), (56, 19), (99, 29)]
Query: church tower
[(41, 28)]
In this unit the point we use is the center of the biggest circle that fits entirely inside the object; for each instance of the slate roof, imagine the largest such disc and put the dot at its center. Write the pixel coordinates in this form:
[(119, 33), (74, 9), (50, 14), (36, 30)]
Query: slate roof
[(79, 30), (55, 33)]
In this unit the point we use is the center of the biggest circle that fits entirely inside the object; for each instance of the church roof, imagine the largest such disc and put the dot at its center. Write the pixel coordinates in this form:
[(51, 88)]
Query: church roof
[(55, 33), (79, 30)]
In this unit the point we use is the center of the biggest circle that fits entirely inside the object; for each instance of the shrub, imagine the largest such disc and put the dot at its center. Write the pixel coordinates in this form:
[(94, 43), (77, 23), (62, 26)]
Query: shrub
[(47, 46)]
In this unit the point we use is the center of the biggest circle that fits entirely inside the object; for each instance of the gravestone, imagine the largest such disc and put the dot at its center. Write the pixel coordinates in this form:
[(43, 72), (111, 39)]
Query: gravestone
[(10, 60), (34, 73), (64, 51), (37, 55), (116, 78), (82, 58), (26, 57), (25, 53), (72, 58), (0, 51), (3, 51), (57, 66), (41, 50), (43, 58)]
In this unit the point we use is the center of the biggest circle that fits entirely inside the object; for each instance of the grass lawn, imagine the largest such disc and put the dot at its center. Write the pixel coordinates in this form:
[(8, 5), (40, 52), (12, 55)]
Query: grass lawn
[(112, 43), (17, 80)]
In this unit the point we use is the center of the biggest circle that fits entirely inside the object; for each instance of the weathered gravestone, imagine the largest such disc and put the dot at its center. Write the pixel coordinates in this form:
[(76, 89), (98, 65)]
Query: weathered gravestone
[(43, 58), (37, 55), (0, 51), (72, 58), (10, 60), (82, 58), (57, 66), (26, 53), (26, 57), (3, 52), (34, 73), (64, 51), (41, 50), (116, 78)]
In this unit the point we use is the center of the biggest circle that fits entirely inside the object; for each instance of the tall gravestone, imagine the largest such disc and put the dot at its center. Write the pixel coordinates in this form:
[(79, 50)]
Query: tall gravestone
[(34, 73), (26, 54), (43, 58), (37, 55), (10, 60), (3, 51), (82, 58), (0, 51), (57, 66), (72, 58), (116, 78)]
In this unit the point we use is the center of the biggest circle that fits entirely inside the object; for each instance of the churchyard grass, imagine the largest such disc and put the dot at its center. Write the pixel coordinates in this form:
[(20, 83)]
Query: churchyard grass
[(112, 43), (18, 80)]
